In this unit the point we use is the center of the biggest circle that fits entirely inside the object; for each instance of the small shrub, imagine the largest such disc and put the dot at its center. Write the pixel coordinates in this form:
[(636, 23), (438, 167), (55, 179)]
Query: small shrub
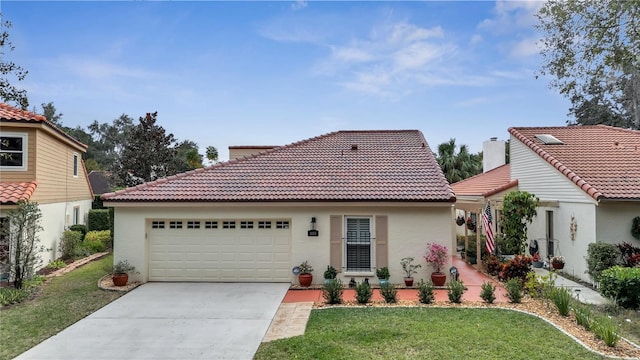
[(516, 268), (630, 254), (389, 293), (583, 315), (10, 296), (606, 330), (57, 264), (332, 291), (69, 242), (493, 264), (488, 293), (533, 285), (80, 228), (330, 273), (103, 236), (455, 289), (622, 285), (93, 246), (601, 256), (561, 298), (425, 292), (514, 290), (363, 292), (98, 220)]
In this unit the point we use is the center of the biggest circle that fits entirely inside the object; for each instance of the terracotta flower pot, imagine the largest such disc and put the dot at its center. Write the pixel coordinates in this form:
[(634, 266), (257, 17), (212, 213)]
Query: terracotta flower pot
[(305, 279), (120, 279), (408, 281), (557, 266), (438, 278)]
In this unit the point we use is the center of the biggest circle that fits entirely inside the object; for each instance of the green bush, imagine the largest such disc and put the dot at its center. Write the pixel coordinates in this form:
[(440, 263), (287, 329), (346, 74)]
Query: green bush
[(425, 292), (80, 228), (517, 268), (102, 236), (97, 203), (389, 293), (57, 264), (69, 241), (10, 296), (601, 256), (583, 315), (488, 293), (455, 289), (561, 298), (514, 290), (622, 285), (363, 292), (93, 246), (98, 220), (332, 291), (607, 330)]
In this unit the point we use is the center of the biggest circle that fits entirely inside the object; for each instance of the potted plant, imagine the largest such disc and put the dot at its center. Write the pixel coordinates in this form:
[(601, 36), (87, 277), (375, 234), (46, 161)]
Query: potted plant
[(471, 225), (330, 274), (557, 262), (437, 256), (409, 269), (536, 261), (383, 275), (460, 220), (305, 276), (120, 273)]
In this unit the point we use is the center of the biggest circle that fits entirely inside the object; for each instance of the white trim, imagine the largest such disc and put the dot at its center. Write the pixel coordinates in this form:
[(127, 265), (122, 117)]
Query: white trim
[(25, 151), (76, 164)]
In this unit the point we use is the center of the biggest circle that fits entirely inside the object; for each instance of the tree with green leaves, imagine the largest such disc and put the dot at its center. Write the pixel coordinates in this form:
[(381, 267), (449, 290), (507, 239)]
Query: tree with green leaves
[(9, 71), (51, 113), (23, 254), (187, 157), (212, 154), (148, 153), (592, 51), (108, 142), (458, 166), (518, 210)]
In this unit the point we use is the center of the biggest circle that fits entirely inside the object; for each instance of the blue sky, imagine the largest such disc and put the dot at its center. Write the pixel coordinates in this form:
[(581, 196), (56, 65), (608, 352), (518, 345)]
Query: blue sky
[(272, 73)]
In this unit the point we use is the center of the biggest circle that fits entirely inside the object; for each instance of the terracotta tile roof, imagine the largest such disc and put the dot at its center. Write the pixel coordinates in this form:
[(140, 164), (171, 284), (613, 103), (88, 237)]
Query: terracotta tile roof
[(486, 184), (12, 192), (603, 161), (339, 166), (11, 114)]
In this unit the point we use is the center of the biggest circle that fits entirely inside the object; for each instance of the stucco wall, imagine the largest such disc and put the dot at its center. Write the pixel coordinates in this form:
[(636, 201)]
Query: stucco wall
[(410, 228), (614, 222)]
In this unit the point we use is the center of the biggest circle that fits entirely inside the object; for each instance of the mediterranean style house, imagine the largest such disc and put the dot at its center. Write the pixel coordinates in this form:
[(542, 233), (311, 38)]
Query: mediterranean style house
[(356, 200), (41, 163)]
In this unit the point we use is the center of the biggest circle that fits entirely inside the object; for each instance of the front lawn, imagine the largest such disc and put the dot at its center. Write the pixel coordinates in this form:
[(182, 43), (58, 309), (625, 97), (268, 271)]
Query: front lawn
[(63, 301), (425, 333)]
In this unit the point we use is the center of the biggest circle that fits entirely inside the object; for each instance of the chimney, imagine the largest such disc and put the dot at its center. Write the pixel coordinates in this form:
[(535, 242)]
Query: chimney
[(493, 154)]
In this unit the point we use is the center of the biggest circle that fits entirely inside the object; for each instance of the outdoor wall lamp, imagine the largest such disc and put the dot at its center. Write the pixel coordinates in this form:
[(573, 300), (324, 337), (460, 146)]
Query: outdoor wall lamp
[(313, 231)]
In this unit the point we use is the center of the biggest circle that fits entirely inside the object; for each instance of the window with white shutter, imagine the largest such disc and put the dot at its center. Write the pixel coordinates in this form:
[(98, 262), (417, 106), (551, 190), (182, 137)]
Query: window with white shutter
[(358, 244)]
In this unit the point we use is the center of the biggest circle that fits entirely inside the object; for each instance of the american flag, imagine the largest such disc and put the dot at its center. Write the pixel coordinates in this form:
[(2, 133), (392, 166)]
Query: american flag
[(488, 229)]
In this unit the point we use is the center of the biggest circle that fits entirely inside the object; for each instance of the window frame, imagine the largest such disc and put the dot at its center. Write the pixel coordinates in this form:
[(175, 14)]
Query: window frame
[(76, 215), (75, 164), (345, 249), (24, 151)]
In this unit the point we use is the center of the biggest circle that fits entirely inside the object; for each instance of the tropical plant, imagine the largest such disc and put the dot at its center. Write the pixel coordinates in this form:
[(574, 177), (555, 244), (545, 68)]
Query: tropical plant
[(305, 268), (437, 256), (561, 298), (409, 268), (425, 292), (558, 260), (458, 166), (516, 268), (123, 267), (630, 254), (493, 264), (518, 210), (607, 330), (383, 273), (330, 273)]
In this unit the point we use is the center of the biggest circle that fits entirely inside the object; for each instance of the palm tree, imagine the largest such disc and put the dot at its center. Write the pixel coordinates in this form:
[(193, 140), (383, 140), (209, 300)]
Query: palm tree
[(458, 166)]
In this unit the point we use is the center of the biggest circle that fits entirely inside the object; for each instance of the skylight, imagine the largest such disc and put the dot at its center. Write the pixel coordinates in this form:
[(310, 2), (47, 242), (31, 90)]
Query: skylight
[(549, 139)]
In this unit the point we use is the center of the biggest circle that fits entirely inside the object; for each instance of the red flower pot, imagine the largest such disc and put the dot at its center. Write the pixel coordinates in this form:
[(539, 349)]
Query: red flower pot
[(438, 278), (120, 279), (408, 281), (305, 279)]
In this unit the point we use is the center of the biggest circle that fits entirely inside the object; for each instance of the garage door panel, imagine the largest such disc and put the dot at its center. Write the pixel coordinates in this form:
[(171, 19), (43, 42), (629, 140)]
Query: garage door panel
[(220, 254)]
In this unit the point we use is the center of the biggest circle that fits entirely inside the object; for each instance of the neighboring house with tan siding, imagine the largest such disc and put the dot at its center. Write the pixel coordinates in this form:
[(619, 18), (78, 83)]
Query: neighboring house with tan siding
[(41, 163), (374, 197)]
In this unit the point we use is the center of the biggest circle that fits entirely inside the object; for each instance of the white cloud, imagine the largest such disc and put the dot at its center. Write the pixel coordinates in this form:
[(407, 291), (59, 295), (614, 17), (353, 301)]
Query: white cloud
[(476, 39), (525, 48), (298, 5), (352, 54), (510, 15)]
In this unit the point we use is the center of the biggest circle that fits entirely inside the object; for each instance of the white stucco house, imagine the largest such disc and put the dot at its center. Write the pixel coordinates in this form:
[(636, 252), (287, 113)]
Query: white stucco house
[(357, 200), (41, 163), (587, 177)]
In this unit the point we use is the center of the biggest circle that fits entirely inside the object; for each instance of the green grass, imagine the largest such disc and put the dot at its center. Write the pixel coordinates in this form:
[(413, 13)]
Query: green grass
[(63, 301), (425, 333)]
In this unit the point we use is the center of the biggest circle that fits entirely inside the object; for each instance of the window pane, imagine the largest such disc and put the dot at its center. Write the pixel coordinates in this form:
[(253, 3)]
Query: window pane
[(358, 245), (10, 159), (11, 143)]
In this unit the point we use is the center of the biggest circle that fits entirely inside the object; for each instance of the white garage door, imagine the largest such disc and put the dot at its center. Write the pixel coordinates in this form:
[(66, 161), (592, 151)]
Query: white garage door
[(220, 250)]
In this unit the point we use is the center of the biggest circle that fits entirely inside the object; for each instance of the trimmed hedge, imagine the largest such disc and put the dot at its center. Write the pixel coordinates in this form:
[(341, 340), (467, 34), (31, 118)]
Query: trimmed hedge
[(622, 285), (98, 220), (68, 243), (79, 228), (601, 256)]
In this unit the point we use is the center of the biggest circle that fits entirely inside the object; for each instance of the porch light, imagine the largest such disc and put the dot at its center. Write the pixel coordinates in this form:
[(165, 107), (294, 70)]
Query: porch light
[(313, 231)]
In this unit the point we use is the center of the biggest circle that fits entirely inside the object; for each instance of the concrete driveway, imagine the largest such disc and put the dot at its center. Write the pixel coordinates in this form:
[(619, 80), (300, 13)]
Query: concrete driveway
[(171, 321)]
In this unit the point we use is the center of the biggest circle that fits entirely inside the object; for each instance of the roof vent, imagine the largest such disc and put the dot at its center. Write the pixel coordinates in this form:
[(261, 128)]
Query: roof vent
[(549, 139), (354, 146)]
